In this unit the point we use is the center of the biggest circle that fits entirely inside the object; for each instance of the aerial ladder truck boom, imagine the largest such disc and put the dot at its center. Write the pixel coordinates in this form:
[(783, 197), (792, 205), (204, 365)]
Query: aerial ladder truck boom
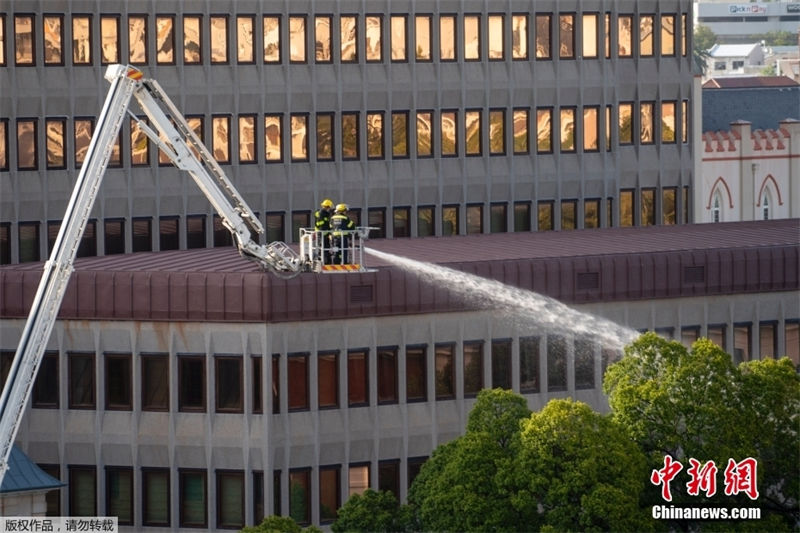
[(170, 131)]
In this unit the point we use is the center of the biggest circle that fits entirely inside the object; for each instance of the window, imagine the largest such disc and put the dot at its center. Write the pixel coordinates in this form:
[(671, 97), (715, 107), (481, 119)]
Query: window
[(220, 138), (3, 139), (276, 383), (625, 123), (52, 497), (389, 476), (685, 204), (566, 36), (684, 34), (400, 134), (53, 227), (626, 208), (247, 139), (544, 130), (272, 138), (230, 499), (3, 40), (357, 378), (140, 152), (29, 241), (791, 330), (165, 40), (88, 246), (155, 497), (648, 215), (45, 392), (329, 493), (118, 392), (543, 36), (716, 334), (569, 219), (245, 43), (667, 35), (424, 134), (529, 364), (373, 41), (416, 373), (556, 363), (81, 380), (298, 381), (522, 216), (501, 363), (276, 492), (350, 136), (300, 495), (422, 35), (498, 218), (447, 38), (300, 219), (425, 221), (473, 132), (375, 135), (472, 37), (348, 33), (119, 494), (109, 39), (473, 367), (191, 383), (297, 39), (496, 35), (357, 479), (591, 129), (720, 65), (768, 340), (324, 136), (81, 40), (414, 466), (449, 131), (398, 39), (168, 233), (689, 335), (445, 371), (322, 39), (589, 34), (668, 122), (545, 217), (450, 222), (742, 342), (275, 227), (155, 382), (258, 497), (646, 46), (387, 375), (137, 39), (376, 219), (328, 379), (82, 490), (591, 213), (646, 122), (24, 47), (5, 243), (229, 384), (625, 35), (608, 128), (684, 121), (27, 145), (192, 498), (669, 206), (114, 236), (474, 219), (608, 356), (584, 364), (222, 236), (54, 130), (520, 132), (53, 35), (195, 231), (272, 39), (567, 125), (519, 36)]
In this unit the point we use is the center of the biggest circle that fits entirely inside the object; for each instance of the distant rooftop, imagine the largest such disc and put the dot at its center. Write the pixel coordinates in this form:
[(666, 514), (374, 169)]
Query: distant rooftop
[(24, 475), (749, 82), (732, 50)]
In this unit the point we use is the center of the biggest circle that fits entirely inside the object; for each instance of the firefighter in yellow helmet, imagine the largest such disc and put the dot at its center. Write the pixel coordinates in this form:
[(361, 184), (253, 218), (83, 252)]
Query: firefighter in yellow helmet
[(341, 228), (322, 223)]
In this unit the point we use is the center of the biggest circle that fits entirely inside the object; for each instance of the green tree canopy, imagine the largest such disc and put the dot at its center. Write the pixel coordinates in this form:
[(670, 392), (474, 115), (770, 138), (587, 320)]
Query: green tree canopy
[(280, 524), (373, 511)]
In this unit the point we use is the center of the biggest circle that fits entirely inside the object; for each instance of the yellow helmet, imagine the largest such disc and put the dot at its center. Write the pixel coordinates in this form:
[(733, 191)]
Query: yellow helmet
[(341, 208), (327, 203)]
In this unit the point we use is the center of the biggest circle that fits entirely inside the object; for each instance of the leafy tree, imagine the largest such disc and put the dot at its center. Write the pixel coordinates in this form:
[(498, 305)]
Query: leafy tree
[(704, 39), (373, 511), (769, 70), (778, 38), (280, 524)]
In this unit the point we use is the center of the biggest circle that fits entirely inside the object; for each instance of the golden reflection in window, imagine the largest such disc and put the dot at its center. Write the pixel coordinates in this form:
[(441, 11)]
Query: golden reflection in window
[(521, 136), (591, 129), (53, 37), (444, 368), (400, 134), (472, 37), (685, 121), (626, 208), (566, 36), (519, 36), (218, 35), (646, 35), (373, 42), (447, 37), (625, 123), (191, 39), (139, 145), (424, 134), (646, 122), (297, 39), (497, 133), (544, 216), (299, 128), (496, 46), (589, 35), (667, 35), (669, 197), (245, 44), (324, 136), (472, 127), (625, 36), (109, 40), (684, 34), (116, 152), (2, 39), (543, 38), (567, 123), (137, 40), (398, 41), (23, 39), (196, 124), (322, 39), (608, 128), (423, 38), (272, 138), (83, 136), (375, 135), (165, 40), (668, 122), (449, 131), (272, 40), (220, 138), (544, 130), (648, 207), (247, 139), (607, 31), (3, 141), (350, 136), (348, 26), (54, 131), (81, 40)]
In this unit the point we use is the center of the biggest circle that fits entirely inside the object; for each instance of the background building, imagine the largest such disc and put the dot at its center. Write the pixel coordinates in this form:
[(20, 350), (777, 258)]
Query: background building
[(730, 99), (737, 21)]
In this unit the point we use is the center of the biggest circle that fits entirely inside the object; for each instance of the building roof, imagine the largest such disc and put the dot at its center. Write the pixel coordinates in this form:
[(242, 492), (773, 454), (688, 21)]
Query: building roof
[(24, 475), (749, 82), (732, 50), (572, 266)]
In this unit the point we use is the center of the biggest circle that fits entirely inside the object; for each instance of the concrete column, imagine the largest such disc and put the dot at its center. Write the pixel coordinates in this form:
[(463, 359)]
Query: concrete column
[(746, 198)]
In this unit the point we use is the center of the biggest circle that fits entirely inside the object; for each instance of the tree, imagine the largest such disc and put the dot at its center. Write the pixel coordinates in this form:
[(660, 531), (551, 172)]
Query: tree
[(778, 38), (280, 524), (373, 511), (704, 39)]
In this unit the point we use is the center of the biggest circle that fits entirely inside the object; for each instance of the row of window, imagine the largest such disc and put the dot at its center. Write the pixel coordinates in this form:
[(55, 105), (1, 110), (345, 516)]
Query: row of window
[(192, 231), (346, 38), (448, 133), (154, 492)]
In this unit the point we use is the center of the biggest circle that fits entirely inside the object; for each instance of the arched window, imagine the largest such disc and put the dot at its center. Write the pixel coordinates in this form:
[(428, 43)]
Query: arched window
[(765, 205), (716, 209)]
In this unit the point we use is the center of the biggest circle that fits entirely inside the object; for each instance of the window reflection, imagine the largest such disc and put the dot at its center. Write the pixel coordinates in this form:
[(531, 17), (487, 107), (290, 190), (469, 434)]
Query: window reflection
[(137, 40), (472, 37), (26, 144), (645, 35), (81, 40), (219, 39), (165, 40), (591, 129), (400, 134), (324, 136), (398, 41), (424, 135), (448, 126), (544, 215), (668, 122), (220, 138), (247, 139), (447, 38), (55, 142), (2, 40), (521, 137), (543, 38), (322, 39), (191, 39), (567, 124), (297, 39), (349, 135), (496, 48), (375, 135), (544, 130), (646, 123), (519, 37), (685, 121), (607, 29), (625, 123), (349, 38), (667, 35), (23, 39), (272, 138), (299, 129), (625, 36), (53, 37), (3, 140), (83, 135), (472, 127), (139, 145), (589, 40), (497, 142), (372, 38), (423, 38), (245, 45), (109, 40), (648, 207), (566, 36), (272, 40), (626, 208)]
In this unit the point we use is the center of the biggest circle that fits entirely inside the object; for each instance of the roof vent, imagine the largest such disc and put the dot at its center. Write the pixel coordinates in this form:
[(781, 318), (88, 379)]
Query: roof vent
[(694, 274), (361, 294), (585, 281)]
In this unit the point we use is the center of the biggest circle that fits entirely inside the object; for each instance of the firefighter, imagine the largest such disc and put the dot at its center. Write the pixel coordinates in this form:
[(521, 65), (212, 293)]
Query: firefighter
[(322, 224), (341, 226)]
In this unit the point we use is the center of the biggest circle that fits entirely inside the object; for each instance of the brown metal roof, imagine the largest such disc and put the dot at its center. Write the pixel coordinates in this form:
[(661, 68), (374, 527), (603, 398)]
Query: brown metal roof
[(573, 266), (749, 82)]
